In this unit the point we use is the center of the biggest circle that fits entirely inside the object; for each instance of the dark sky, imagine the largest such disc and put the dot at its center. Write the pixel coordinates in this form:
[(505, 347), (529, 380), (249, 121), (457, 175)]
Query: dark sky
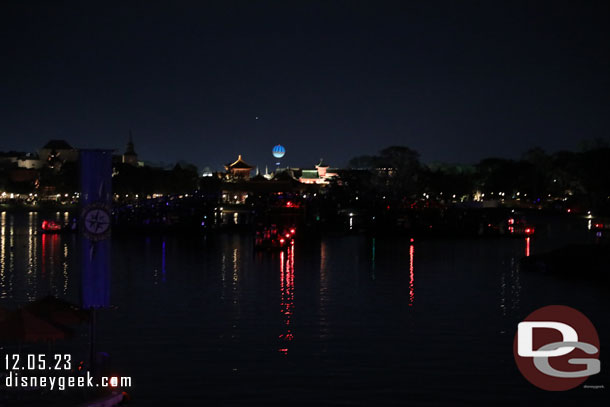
[(456, 80)]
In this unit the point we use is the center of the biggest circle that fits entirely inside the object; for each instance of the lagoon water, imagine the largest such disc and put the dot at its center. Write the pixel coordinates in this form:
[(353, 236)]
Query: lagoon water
[(336, 321)]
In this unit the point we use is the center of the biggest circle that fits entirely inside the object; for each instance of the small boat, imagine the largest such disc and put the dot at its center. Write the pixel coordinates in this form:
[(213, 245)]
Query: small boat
[(520, 227), (273, 237), (601, 225), (51, 226)]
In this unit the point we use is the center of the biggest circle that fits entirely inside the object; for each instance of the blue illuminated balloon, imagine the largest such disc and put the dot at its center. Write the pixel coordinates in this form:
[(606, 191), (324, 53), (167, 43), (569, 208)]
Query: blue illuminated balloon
[(279, 151)]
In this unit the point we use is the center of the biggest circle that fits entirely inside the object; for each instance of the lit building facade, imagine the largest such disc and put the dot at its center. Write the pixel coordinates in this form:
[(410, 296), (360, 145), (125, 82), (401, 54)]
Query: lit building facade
[(238, 170), (319, 175), (56, 152)]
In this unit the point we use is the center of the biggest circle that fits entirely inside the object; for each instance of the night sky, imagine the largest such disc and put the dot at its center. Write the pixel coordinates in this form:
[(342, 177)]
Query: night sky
[(457, 81)]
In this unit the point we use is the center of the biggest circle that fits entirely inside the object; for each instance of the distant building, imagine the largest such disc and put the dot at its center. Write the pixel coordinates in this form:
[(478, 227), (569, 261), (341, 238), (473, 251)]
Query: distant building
[(30, 161), (57, 152), (16, 159), (9, 159), (130, 157), (319, 175), (387, 172), (238, 170), (207, 172)]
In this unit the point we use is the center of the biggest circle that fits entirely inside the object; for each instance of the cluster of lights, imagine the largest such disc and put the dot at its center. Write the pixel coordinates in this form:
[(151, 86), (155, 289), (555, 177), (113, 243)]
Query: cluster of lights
[(289, 236), (30, 196)]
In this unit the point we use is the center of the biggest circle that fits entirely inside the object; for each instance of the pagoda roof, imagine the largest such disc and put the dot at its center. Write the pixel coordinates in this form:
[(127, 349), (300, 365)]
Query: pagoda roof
[(239, 164)]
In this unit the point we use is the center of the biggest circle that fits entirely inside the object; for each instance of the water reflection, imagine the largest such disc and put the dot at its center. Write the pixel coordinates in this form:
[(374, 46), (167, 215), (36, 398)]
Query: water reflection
[(6, 257), (54, 259), (287, 296), (163, 262), (323, 291), (64, 265), (527, 247), (510, 288), (235, 276), (347, 325), (235, 300), (223, 278), (32, 263), (3, 256), (411, 275), (32, 267), (163, 268)]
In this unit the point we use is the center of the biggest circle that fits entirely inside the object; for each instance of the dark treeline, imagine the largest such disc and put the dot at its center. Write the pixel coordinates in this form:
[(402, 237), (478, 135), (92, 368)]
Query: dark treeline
[(581, 179), (149, 180)]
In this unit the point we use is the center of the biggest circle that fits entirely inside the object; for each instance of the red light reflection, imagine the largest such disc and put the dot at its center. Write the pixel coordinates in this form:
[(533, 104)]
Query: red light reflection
[(50, 250), (411, 275)]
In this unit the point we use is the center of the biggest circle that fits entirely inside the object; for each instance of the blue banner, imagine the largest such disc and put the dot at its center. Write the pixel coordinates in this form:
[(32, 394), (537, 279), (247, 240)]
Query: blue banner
[(95, 222)]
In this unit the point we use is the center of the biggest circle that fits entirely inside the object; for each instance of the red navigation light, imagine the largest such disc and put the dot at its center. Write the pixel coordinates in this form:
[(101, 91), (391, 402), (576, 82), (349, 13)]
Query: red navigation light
[(282, 241), (287, 235), (569, 210), (599, 226), (412, 240), (511, 221), (529, 231), (293, 231)]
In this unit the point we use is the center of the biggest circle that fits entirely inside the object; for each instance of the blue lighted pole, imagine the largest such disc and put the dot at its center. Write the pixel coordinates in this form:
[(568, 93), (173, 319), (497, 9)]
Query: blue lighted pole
[(95, 221)]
